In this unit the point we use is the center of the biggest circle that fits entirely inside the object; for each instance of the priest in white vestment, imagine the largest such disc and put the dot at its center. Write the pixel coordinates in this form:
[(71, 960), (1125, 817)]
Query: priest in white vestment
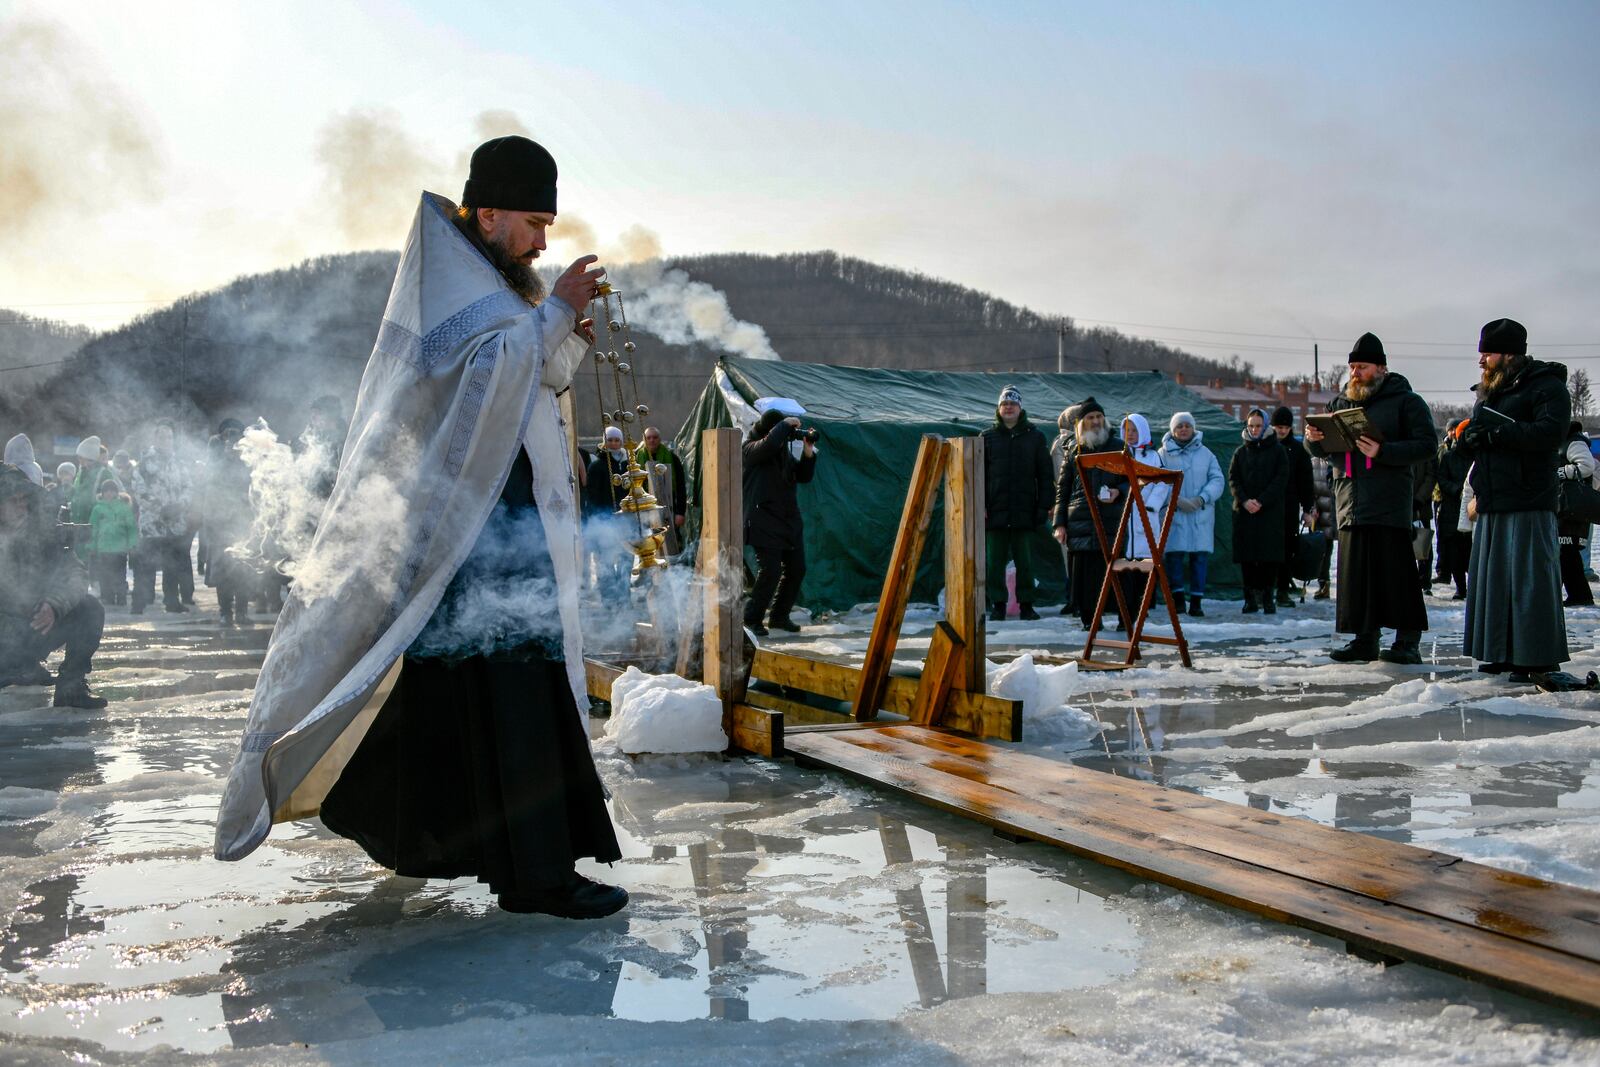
[(422, 689)]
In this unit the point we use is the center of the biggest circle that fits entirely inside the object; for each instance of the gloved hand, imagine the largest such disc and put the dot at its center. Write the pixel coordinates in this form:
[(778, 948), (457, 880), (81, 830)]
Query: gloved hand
[(1477, 438), (1188, 503)]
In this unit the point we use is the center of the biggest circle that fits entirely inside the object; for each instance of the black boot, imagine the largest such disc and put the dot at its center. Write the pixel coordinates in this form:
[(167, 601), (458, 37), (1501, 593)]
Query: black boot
[(1025, 611), (1405, 648), (74, 693), (1363, 648), (578, 898), (999, 612), (1284, 599), (1194, 608), (786, 624), (1250, 605), (1461, 591), (1269, 605)]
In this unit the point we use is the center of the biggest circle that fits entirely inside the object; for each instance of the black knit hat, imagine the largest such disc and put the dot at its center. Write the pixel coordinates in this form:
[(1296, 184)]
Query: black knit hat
[(1089, 407), (1508, 337), (1368, 349), (1283, 417), (513, 173)]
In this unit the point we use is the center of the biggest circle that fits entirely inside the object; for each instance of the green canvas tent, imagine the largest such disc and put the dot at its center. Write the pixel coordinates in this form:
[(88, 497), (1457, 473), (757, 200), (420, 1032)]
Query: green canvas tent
[(870, 423)]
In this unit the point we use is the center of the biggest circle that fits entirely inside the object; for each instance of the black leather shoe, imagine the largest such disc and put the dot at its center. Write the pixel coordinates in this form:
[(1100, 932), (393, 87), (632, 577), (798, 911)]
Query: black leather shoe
[(756, 628), (578, 898), (1493, 668), (1284, 599), (75, 694), (788, 626), (1401, 652), (1025, 611)]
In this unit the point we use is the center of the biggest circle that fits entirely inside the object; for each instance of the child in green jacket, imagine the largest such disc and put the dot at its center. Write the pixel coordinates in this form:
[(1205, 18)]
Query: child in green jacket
[(114, 530)]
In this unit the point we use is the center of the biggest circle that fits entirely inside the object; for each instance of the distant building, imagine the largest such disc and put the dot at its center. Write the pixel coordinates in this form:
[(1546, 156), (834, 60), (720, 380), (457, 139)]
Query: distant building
[(1237, 400)]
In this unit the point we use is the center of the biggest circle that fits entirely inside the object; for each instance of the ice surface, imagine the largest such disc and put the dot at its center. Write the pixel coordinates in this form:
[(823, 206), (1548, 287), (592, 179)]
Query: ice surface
[(785, 916), (664, 713)]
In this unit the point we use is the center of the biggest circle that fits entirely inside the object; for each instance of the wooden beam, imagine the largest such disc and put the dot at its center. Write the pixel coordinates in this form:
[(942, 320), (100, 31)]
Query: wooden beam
[(933, 688), (973, 713), (720, 565), (965, 597), (757, 730), (902, 571), (599, 677)]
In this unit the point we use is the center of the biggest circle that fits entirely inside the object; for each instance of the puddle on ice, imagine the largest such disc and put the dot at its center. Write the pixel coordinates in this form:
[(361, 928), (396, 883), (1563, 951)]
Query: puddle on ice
[(836, 921)]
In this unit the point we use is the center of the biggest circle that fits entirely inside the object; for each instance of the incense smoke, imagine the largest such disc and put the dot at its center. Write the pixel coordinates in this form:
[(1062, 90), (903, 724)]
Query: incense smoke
[(680, 310)]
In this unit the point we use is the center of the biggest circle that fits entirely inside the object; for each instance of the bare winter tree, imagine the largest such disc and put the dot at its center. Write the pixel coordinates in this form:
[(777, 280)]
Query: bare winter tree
[(1582, 398)]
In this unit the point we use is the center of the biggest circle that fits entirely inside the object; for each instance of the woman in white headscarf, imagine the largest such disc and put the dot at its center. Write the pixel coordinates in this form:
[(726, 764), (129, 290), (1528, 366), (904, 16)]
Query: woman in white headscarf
[(1136, 432)]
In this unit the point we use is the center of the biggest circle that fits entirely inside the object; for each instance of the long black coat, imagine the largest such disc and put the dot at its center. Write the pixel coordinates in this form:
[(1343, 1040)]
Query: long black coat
[(1518, 472), (1075, 496), (771, 505), (599, 495), (1380, 494), (1301, 490), (1017, 476), (1259, 471)]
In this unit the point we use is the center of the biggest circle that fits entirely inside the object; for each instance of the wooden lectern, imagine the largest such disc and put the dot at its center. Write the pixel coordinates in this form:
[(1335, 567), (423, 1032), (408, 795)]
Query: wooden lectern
[(1139, 475)]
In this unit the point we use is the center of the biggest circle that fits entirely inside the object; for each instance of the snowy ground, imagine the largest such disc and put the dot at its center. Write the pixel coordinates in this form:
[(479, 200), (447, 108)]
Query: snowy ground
[(783, 916)]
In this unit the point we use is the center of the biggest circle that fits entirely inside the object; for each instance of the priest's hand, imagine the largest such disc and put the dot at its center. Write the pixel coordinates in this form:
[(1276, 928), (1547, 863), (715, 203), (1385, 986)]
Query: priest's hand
[(579, 283), (44, 620), (585, 329), (1060, 534), (1313, 434), (1368, 446)]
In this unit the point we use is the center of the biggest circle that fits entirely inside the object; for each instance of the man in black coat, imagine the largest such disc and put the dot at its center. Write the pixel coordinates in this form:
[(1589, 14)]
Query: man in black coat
[(777, 457), (1017, 488), (1074, 522), (1519, 424), (44, 597), (1372, 487), (1300, 497)]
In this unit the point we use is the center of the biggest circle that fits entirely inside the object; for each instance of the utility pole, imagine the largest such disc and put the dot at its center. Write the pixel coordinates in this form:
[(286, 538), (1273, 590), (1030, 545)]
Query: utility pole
[(1316, 368), (183, 359), (1061, 348)]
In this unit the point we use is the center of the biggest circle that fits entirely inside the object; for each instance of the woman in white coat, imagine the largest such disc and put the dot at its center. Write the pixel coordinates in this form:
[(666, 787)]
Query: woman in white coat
[(1193, 533)]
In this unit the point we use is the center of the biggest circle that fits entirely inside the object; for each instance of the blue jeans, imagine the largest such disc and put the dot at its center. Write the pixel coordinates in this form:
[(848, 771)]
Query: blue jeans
[(1186, 572)]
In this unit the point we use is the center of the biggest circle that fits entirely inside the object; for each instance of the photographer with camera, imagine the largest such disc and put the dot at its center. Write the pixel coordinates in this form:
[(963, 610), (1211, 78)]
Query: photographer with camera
[(778, 455), (44, 597)]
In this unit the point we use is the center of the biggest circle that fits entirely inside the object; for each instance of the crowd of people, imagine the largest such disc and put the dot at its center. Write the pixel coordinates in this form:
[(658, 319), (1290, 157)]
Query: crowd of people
[(1486, 509), (70, 539), (1500, 509)]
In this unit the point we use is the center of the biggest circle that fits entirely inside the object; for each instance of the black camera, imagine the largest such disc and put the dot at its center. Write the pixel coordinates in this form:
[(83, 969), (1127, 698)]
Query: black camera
[(810, 434)]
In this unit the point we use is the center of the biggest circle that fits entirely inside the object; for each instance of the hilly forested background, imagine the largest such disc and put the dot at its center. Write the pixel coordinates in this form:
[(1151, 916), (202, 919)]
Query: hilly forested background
[(266, 345)]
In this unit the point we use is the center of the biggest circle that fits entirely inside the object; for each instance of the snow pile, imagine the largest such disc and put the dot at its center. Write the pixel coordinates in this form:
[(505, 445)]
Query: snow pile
[(1040, 688), (664, 713)]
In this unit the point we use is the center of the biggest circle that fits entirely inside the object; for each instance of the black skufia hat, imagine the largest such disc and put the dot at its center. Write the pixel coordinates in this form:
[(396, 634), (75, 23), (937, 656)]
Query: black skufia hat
[(1508, 337), (1368, 349), (513, 173), (1089, 407)]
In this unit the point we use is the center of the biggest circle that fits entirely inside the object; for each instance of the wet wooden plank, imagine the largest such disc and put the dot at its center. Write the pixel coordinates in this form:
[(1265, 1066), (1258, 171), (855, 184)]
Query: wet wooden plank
[(598, 677), (1556, 916), (1125, 828)]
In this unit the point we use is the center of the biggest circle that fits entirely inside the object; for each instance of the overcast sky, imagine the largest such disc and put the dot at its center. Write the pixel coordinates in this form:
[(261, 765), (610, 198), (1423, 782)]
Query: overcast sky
[(1229, 178)]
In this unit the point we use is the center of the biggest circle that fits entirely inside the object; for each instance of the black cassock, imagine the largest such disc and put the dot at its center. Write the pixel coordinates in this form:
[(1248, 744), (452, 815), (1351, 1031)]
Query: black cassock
[(479, 766)]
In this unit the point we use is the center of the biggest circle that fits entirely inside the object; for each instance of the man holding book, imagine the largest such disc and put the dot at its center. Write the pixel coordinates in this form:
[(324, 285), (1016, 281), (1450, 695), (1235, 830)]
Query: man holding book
[(1379, 427)]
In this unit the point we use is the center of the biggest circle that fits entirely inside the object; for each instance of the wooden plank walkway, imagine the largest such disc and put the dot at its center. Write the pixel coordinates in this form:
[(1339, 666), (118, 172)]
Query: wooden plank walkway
[(1384, 899)]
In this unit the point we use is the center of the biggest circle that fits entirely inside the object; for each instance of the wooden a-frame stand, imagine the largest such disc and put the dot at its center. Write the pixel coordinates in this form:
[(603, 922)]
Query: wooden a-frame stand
[(1139, 475)]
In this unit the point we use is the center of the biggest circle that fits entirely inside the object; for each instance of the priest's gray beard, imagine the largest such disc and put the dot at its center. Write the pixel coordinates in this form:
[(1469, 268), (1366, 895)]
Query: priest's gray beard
[(1359, 390), (524, 280), (1093, 438)]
